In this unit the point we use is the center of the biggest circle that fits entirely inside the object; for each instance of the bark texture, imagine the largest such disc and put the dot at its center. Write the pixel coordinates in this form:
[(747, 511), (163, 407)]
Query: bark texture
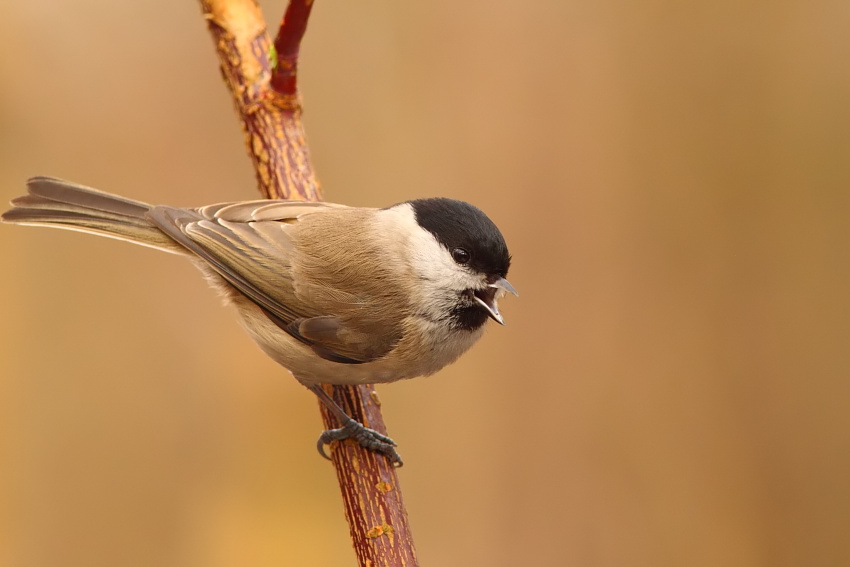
[(271, 119), (262, 78)]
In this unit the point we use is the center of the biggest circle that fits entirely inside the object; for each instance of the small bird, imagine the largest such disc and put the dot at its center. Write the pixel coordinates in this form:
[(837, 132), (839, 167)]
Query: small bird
[(334, 294)]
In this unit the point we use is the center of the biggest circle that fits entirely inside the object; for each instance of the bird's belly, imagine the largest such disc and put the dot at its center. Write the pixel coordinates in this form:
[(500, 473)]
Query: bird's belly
[(422, 352)]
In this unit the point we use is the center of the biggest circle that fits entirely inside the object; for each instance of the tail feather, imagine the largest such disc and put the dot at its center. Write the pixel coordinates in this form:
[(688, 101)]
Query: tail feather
[(69, 193), (57, 203)]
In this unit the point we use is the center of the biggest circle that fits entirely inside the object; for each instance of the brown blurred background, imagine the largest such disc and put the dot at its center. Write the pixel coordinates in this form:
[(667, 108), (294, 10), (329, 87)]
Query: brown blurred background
[(673, 384)]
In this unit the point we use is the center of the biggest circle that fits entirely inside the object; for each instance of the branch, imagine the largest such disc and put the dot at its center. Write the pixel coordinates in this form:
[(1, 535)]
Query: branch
[(271, 120), (371, 494), (263, 81)]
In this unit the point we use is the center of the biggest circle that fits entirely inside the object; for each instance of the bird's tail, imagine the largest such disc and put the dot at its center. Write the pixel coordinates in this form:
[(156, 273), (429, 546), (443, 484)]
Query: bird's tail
[(60, 204)]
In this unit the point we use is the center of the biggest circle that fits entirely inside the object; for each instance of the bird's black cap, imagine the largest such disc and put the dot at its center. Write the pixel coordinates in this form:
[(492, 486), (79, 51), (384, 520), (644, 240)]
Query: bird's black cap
[(456, 224)]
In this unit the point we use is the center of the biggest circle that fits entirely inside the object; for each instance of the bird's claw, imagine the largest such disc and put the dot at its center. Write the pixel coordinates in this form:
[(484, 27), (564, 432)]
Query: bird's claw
[(368, 439)]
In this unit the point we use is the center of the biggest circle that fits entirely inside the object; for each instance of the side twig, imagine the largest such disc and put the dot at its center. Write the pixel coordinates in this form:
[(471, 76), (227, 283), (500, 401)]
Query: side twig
[(287, 45), (262, 77)]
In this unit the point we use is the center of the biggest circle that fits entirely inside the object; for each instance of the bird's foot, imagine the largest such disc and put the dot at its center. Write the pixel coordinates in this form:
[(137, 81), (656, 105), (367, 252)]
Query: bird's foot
[(368, 439)]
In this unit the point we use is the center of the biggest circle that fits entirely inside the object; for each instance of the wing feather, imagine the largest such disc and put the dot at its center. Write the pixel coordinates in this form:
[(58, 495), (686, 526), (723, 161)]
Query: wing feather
[(249, 244)]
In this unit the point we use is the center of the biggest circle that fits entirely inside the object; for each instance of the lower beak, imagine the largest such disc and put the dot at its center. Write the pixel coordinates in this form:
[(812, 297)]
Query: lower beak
[(486, 298)]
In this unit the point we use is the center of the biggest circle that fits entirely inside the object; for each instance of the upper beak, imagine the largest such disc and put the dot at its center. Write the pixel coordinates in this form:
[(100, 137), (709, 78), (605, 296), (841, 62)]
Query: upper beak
[(487, 298), (502, 283)]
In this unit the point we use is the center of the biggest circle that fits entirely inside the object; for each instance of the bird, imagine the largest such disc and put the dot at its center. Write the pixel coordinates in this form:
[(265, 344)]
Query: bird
[(334, 294)]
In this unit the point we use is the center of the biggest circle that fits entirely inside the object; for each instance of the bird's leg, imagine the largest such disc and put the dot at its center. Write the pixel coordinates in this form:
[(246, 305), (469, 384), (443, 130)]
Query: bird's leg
[(368, 438)]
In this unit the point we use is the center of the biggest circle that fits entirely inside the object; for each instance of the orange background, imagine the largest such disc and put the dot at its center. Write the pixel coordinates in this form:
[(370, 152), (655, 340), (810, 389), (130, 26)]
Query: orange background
[(673, 384)]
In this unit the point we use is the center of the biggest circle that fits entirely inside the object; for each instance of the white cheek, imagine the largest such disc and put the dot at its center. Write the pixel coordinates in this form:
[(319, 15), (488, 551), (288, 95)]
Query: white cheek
[(442, 278)]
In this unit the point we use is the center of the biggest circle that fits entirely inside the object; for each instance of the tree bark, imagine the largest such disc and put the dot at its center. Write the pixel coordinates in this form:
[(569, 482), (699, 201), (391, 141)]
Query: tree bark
[(271, 119), (262, 78)]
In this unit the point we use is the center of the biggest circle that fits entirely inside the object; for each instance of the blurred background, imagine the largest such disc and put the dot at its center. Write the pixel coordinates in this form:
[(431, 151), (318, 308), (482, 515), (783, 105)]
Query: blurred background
[(673, 384)]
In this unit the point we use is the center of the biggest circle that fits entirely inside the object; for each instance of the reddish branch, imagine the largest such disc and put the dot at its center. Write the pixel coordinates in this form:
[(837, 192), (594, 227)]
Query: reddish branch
[(287, 45), (262, 77)]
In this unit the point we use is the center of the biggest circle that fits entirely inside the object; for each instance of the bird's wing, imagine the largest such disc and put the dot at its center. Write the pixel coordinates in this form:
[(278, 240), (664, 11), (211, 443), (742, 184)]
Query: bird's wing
[(249, 244)]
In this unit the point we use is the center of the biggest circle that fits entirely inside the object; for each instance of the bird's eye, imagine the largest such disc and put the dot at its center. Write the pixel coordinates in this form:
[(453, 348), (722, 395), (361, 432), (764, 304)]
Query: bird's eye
[(460, 255)]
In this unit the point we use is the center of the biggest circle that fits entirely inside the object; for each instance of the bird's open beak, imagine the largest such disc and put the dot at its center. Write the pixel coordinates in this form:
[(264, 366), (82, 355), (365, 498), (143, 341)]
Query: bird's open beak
[(487, 298)]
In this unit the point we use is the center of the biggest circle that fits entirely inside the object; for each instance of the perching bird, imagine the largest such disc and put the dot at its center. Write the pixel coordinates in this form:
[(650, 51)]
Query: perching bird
[(335, 294)]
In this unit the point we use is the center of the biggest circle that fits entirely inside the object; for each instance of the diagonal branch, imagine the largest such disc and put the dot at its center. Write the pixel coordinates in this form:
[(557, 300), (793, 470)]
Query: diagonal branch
[(261, 77), (271, 120)]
